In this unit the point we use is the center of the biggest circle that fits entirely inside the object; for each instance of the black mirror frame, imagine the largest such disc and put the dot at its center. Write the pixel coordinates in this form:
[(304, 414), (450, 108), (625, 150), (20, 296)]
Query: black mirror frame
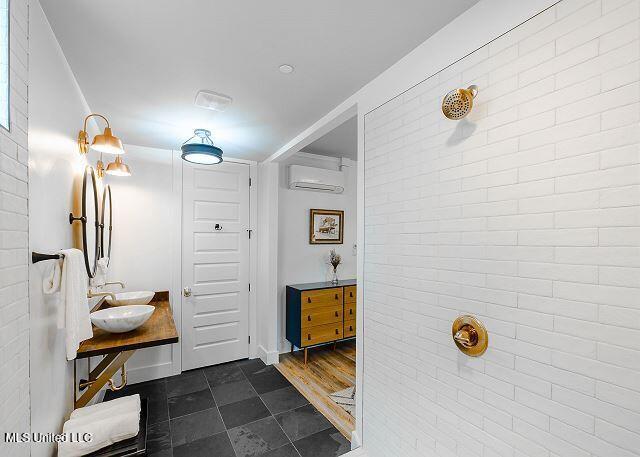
[(88, 171), (105, 193)]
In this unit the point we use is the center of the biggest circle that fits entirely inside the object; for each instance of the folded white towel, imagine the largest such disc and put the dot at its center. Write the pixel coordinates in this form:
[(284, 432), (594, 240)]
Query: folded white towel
[(51, 278), (104, 432), (120, 405), (73, 315), (100, 278)]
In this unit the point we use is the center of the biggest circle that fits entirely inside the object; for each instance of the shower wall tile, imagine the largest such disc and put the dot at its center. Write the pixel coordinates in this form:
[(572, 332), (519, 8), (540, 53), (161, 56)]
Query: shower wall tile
[(526, 214), (14, 244)]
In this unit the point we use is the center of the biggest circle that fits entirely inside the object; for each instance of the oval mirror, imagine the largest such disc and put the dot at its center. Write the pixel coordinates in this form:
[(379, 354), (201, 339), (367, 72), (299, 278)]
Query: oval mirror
[(106, 224), (90, 229)]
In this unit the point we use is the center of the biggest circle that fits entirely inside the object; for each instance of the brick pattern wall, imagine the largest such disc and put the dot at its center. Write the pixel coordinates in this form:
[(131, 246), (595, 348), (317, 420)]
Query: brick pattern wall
[(14, 243), (527, 215)]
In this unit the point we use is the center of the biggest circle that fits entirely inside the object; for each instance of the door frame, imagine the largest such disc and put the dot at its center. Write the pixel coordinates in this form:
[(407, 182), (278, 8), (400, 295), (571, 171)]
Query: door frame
[(176, 247)]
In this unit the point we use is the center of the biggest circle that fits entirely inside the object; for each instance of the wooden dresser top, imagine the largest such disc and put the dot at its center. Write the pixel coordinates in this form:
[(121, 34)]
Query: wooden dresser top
[(322, 285)]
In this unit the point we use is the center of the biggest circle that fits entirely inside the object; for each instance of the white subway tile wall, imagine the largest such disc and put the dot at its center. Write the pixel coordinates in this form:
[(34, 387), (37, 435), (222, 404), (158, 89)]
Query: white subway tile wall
[(527, 215), (14, 243)]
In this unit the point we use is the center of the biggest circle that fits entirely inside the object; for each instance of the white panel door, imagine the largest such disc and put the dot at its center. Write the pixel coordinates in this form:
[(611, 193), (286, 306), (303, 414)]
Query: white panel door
[(215, 264)]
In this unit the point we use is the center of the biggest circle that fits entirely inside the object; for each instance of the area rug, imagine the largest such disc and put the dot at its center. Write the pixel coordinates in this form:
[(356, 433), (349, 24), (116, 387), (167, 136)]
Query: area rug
[(346, 399)]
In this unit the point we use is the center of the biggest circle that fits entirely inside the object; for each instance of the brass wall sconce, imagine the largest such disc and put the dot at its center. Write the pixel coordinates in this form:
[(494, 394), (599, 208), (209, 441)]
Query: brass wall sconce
[(470, 335), (458, 103), (105, 142)]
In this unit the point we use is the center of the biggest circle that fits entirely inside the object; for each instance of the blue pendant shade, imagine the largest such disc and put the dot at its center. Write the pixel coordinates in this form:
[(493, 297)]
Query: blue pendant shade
[(203, 153)]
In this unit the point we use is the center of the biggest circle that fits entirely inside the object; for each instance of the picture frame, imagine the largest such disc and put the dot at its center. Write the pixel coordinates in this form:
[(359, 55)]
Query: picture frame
[(326, 226)]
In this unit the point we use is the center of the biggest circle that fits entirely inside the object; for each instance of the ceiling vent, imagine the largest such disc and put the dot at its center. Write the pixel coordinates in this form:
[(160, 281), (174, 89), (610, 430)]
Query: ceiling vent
[(211, 100), (316, 179)]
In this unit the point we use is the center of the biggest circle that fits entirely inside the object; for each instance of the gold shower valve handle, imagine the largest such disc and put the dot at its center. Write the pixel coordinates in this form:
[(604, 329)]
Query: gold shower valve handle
[(467, 336), (470, 335)]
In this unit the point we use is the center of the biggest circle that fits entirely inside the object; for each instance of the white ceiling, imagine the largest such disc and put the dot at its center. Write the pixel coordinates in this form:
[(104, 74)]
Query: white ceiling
[(339, 142), (141, 62)]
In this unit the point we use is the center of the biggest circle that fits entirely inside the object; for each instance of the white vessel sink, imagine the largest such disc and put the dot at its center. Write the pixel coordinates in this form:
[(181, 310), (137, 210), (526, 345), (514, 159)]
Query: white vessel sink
[(131, 298), (122, 319)]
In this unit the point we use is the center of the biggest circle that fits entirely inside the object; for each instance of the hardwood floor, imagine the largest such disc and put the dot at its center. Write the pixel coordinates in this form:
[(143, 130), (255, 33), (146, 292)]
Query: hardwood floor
[(327, 372)]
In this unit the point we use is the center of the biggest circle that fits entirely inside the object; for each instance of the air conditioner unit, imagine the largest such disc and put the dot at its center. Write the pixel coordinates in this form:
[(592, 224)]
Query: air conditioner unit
[(316, 179)]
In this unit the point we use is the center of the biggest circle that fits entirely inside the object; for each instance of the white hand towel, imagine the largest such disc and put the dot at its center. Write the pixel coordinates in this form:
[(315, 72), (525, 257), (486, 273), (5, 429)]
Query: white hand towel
[(121, 405), (104, 431), (102, 269), (51, 278), (73, 315)]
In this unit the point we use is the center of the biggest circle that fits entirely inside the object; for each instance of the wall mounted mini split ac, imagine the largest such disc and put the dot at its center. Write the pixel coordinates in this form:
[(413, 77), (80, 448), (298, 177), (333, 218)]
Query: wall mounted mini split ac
[(316, 179)]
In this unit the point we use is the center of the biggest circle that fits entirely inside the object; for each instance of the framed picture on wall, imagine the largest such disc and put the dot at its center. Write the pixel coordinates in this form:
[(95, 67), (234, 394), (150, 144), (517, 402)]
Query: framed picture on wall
[(326, 226)]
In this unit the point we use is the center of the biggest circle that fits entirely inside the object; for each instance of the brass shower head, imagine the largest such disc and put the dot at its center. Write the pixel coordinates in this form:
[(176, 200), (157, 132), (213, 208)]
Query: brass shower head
[(458, 103)]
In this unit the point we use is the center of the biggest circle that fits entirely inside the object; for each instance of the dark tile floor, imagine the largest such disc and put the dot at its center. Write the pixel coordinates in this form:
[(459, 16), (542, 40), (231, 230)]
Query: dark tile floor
[(237, 409)]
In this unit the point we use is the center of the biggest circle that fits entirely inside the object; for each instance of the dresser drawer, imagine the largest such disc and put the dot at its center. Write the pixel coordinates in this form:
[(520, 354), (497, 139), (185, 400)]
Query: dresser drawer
[(322, 334), (349, 328), (350, 294), (320, 316), (321, 297), (349, 311)]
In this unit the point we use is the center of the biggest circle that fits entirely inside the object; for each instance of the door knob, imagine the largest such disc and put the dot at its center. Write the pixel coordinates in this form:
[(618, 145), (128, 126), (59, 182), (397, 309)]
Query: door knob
[(186, 291), (218, 227)]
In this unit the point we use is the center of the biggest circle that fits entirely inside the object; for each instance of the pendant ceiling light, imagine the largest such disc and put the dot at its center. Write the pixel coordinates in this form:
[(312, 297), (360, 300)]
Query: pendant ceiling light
[(202, 153)]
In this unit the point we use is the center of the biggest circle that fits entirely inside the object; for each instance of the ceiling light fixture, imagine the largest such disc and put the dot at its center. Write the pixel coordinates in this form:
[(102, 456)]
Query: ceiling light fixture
[(118, 168), (203, 153), (103, 142), (286, 69), (212, 100)]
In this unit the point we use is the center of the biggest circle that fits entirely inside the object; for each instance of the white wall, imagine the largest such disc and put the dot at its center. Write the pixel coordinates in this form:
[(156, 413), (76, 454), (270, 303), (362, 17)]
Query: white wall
[(56, 110), (299, 261), (14, 307), (527, 215), (146, 221)]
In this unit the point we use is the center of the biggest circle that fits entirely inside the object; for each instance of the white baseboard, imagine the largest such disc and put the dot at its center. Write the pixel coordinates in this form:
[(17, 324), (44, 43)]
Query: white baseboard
[(355, 440), (141, 374), (268, 357), (360, 452)]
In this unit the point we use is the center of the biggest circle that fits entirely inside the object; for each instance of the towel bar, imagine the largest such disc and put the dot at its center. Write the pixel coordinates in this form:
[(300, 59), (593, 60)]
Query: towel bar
[(39, 257)]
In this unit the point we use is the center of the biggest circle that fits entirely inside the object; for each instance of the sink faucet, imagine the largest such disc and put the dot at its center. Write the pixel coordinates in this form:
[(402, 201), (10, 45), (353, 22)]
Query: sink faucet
[(91, 294), (111, 283)]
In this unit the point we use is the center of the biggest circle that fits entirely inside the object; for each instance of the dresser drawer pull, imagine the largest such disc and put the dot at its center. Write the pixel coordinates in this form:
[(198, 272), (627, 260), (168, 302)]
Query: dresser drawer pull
[(308, 299), (337, 332), (350, 310), (351, 294), (351, 328), (336, 313), (309, 318), (336, 296), (309, 336)]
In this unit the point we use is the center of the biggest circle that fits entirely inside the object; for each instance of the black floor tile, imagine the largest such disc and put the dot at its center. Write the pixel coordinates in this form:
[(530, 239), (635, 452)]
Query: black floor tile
[(327, 443), (243, 412), (186, 383), (233, 392), (158, 411), (285, 451), (250, 366), (193, 427), (164, 453), (267, 380), (152, 390), (281, 400), (256, 438), (158, 437), (211, 446), (190, 403), (222, 374), (302, 422)]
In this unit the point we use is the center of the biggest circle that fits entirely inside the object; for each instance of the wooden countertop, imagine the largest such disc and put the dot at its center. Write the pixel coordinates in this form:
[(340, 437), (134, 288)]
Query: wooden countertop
[(160, 329), (323, 285)]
